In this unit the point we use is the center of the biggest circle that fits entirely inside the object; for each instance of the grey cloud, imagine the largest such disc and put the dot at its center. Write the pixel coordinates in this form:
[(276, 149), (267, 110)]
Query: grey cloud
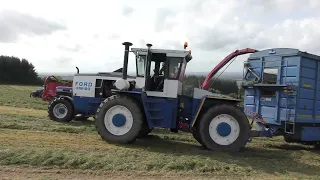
[(142, 43), (222, 37), (62, 60), (96, 36), (162, 22), (75, 48), (13, 23), (114, 37), (266, 24), (127, 10)]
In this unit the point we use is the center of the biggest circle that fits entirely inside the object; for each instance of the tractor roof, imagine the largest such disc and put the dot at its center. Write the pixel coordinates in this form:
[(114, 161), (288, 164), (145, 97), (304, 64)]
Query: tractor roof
[(169, 52), (106, 74)]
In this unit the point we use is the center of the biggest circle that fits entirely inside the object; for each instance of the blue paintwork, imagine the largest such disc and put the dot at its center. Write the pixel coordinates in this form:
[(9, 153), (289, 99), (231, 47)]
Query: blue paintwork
[(39, 90), (187, 103), (160, 112), (195, 107), (191, 106), (63, 88), (223, 129), (86, 105), (119, 120), (297, 70), (310, 134)]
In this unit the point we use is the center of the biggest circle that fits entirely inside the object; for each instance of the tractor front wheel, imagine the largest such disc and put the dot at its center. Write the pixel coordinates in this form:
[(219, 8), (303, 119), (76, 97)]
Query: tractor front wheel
[(80, 117), (119, 120), (60, 110), (223, 128)]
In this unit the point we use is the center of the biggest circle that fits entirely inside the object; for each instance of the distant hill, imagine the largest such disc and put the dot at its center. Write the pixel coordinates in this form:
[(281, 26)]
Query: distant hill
[(226, 75)]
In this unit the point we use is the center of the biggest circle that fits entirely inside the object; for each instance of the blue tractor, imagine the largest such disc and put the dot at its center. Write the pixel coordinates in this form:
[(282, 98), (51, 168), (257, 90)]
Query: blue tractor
[(156, 101)]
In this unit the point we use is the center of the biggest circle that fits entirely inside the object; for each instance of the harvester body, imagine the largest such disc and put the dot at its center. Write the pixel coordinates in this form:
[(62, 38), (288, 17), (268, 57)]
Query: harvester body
[(282, 93), (50, 85)]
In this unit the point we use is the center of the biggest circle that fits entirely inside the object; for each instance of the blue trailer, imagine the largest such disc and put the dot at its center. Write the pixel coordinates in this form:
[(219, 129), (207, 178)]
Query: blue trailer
[(282, 94)]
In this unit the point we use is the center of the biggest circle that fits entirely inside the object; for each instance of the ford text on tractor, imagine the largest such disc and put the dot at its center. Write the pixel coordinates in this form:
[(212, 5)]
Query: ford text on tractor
[(156, 101), (83, 99)]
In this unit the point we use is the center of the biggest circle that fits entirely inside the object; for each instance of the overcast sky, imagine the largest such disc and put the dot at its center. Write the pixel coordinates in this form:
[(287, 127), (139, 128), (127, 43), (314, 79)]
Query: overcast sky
[(58, 35)]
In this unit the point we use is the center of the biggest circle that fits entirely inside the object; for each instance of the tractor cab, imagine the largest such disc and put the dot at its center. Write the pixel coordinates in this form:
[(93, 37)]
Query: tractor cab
[(159, 72)]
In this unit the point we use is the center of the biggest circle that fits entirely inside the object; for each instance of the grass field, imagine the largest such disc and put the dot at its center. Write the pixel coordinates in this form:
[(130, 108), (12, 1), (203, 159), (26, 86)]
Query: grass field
[(34, 147)]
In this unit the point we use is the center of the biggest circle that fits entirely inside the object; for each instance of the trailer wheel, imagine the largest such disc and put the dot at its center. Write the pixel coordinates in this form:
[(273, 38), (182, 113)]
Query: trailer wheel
[(224, 127), (119, 120), (60, 110)]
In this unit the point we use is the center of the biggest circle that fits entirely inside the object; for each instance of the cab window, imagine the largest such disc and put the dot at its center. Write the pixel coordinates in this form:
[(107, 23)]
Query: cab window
[(140, 60), (174, 67)]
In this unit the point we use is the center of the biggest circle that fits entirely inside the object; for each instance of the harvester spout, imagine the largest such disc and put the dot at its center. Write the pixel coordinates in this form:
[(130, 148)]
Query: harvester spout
[(206, 84), (126, 59)]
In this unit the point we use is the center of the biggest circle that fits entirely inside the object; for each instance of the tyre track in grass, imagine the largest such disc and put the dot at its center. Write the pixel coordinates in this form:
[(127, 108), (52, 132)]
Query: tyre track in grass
[(40, 144), (32, 119), (154, 154), (34, 173), (9, 110)]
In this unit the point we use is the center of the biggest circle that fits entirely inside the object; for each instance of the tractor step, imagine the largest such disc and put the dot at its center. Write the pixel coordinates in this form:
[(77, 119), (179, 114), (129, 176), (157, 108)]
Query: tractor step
[(156, 118), (154, 110)]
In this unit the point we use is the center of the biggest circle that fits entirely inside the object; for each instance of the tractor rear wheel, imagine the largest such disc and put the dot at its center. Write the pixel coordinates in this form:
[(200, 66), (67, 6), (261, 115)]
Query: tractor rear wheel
[(196, 135), (224, 128), (60, 110), (119, 120)]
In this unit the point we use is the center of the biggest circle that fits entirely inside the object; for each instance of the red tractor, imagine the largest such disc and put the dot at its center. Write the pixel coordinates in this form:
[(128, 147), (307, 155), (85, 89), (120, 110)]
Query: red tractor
[(49, 88)]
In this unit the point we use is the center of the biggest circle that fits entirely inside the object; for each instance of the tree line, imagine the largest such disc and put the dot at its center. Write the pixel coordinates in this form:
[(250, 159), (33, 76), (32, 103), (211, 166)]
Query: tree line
[(219, 86), (16, 71)]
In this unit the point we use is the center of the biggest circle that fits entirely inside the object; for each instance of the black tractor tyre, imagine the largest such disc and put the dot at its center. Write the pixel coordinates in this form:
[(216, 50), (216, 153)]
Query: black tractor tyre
[(32, 94), (236, 113), (80, 117), (317, 146), (136, 113), (195, 132), (144, 131), (196, 135), (68, 117), (40, 94)]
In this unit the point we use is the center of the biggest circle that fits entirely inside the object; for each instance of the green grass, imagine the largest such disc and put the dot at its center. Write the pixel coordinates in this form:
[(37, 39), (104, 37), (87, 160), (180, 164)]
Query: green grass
[(29, 138), (18, 96)]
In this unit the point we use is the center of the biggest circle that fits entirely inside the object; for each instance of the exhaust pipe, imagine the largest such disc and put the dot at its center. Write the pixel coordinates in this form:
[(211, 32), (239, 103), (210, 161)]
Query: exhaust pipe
[(147, 64), (125, 59)]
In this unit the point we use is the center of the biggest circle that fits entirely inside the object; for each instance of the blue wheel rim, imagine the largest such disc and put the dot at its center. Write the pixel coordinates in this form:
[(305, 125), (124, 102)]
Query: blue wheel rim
[(119, 120)]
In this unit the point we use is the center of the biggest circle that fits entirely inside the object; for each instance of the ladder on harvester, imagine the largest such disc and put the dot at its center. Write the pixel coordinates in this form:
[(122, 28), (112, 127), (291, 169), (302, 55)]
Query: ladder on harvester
[(291, 101), (289, 123)]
